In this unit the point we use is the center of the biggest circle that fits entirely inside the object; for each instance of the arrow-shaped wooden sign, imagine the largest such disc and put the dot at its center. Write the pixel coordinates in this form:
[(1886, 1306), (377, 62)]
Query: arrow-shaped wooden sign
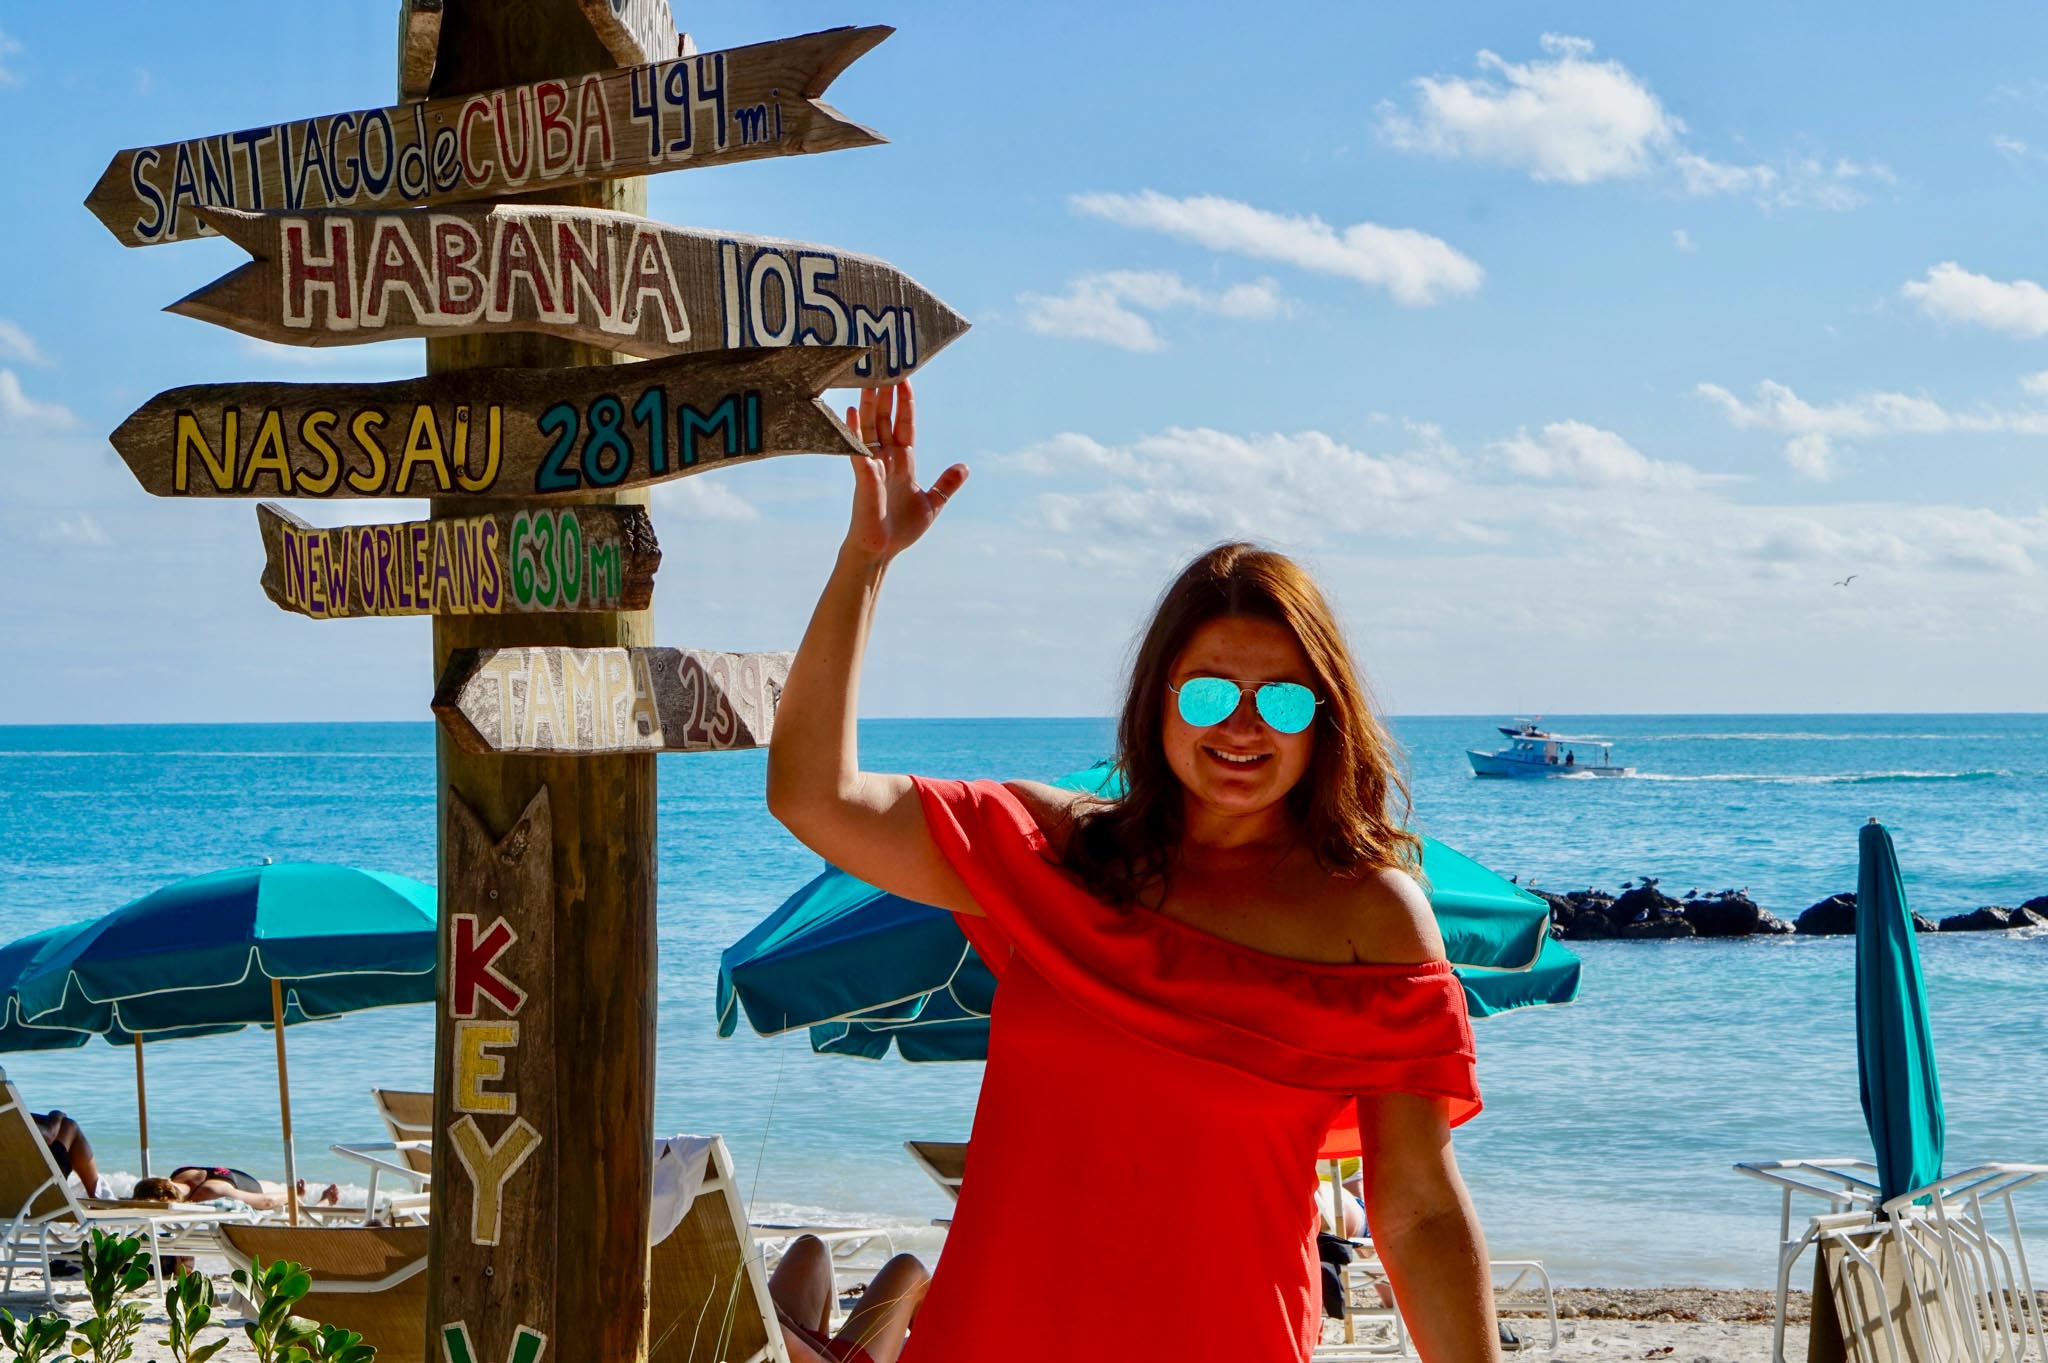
[(488, 432), (708, 109), (419, 43), (615, 280), (537, 559), (635, 31), (609, 700)]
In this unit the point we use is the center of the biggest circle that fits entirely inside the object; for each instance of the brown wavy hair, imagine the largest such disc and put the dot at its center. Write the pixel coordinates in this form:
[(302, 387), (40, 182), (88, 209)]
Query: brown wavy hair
[(1125, 847)]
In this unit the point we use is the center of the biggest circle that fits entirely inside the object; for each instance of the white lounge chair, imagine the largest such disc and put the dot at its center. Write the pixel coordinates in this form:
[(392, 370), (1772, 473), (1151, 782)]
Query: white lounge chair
[(45, 1217), (707, 1291), (1935, 1274)]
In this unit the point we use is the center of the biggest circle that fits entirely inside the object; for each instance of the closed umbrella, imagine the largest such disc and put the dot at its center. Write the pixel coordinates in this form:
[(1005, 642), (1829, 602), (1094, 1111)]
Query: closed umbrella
[(1894, 1044), (863, 968), (274, 944)]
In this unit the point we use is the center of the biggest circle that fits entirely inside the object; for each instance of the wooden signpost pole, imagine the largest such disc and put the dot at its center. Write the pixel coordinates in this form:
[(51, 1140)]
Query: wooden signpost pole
[(570, 1287)]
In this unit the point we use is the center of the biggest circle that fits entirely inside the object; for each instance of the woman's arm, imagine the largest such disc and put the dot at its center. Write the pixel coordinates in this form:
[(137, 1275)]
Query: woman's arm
[(867, 823), (1422, 1223)]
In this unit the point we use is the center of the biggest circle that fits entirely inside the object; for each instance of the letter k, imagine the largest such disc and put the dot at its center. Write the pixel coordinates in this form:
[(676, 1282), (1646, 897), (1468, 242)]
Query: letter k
[(473, 962)]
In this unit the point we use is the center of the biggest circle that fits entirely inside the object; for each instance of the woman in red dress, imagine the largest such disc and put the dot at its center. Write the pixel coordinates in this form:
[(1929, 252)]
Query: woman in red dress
[(1200, 980)]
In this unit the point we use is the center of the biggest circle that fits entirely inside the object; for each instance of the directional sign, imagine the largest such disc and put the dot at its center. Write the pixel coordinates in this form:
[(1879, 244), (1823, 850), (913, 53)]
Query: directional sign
[(635, 31), (488, 432), (537, 559), (609, 700), (709, 109), (610, 279), (419, 42)]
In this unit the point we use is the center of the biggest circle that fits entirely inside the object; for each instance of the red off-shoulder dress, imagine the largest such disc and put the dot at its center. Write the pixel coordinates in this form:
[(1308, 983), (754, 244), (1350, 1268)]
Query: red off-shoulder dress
[(1141, 1175)]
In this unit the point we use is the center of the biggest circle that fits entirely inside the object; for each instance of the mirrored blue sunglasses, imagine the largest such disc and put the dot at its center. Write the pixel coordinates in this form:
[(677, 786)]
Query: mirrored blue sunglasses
[(1289, 707)]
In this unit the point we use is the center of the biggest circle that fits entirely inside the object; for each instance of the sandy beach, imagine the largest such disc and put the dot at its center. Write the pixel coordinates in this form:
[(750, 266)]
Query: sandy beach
[(1595, 1325)]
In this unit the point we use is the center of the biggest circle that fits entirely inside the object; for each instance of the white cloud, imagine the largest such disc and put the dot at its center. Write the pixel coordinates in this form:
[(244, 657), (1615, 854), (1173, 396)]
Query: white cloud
[(19, 411), (1682, 239), (379, 359), (1953, 294), (1098, 307), (1088, 314), (80, 531), (1778, 408), (1574, 452), (703, 499), (1188, 485), (2011, 146), (1811, 455), (1414, 267), (9, 47), (1565, 118), (1568, 118), (15, 343), (1704, 177), (2036, 383)]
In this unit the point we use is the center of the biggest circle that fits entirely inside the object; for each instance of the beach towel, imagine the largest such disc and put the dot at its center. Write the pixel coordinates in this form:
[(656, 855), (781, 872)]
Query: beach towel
[(680, 1163)]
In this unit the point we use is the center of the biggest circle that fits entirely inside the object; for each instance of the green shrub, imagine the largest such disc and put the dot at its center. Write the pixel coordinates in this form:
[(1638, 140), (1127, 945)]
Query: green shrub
[(34, 1339), (115, 1269), (189, 1303)]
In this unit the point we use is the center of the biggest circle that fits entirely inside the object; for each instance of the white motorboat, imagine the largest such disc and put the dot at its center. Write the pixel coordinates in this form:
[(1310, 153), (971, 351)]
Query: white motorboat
[(1533, 752)]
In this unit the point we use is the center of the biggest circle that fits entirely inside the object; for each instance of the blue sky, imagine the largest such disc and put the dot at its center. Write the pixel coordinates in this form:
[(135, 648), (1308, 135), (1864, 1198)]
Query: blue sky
[(1579, 349)]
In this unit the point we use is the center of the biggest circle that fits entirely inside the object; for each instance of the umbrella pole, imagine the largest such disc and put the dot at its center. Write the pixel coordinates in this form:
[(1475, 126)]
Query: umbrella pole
[(284, 1103), (1336, 1167), (141, 1111)]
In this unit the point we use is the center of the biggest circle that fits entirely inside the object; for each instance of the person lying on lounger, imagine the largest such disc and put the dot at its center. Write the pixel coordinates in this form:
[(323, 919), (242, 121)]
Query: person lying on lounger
[(801, 1287), (69, 1148), (208, 1183)]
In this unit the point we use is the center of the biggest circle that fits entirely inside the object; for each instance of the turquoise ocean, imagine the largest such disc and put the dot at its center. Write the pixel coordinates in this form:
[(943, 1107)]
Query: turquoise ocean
[(1610, 1124)]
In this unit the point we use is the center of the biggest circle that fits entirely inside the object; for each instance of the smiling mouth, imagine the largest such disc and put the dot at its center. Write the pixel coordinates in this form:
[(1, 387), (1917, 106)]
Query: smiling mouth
[(1241, 760)]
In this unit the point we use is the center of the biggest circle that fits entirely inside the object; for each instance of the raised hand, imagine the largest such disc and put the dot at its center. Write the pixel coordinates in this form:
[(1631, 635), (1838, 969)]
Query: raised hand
[(890, 511)]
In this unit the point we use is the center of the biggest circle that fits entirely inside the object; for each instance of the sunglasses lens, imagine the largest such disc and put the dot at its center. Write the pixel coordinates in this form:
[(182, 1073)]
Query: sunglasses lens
[(1207, 700), (1288, 706)]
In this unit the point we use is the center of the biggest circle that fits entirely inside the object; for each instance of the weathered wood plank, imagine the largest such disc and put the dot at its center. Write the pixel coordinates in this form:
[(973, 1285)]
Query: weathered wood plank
[(419, 39), (709, 109), (488, 433), (610, 279), (498, 1173), (536, 559), (609, 700), (602, 1040), (635, 32)]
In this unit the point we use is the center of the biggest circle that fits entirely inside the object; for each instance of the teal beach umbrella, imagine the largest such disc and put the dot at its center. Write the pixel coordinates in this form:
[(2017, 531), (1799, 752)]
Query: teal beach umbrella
[(17, 958), (1894, 1045), (862, 968), (273, 945)]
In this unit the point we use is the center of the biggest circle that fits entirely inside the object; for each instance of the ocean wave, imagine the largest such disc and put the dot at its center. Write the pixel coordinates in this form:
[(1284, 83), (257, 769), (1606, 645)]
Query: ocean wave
[(1794, 737), (1826, 779), (299, 755)]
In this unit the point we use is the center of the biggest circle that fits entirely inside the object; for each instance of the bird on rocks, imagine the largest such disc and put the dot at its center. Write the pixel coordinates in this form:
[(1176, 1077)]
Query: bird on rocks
[(1693, 893)]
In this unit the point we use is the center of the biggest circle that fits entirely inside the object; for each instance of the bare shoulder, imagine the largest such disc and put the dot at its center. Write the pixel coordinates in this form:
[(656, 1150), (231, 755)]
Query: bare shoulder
[(1052, 807), (1390, 920)]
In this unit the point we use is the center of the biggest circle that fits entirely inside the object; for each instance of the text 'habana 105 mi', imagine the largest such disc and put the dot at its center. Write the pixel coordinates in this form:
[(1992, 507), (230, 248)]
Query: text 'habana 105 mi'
[(488, 432), (736, 105), (609, 279)]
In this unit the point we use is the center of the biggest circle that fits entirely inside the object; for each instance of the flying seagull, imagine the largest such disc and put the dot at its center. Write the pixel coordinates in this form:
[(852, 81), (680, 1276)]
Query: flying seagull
[(1847, 580)]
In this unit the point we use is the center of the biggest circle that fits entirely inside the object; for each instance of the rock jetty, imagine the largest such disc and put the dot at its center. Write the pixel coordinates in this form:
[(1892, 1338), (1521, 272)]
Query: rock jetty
[(1642, 912)]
